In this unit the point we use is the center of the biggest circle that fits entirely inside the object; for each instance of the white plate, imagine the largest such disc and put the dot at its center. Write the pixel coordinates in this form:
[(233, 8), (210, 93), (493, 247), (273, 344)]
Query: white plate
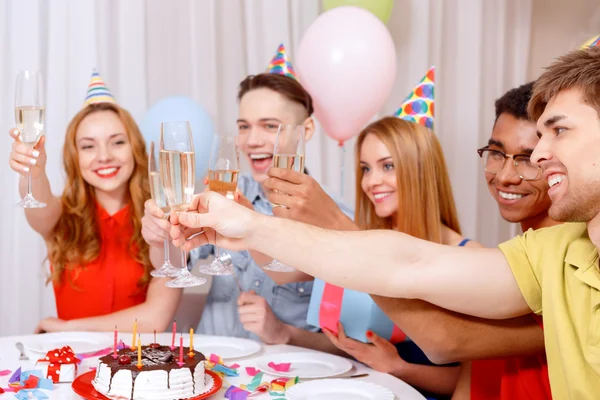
[(306, 365), (80, 342), (226, 347), (338, 389)]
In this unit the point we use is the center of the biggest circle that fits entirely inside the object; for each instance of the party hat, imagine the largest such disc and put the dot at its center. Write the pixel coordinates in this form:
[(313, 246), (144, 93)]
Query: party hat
[(280, 64), (593, 42), (97, 91), (418, 106)]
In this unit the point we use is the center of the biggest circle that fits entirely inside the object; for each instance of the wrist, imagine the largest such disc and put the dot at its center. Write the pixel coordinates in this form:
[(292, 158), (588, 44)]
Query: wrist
[(286, 333), (258, 224), (398, 369)]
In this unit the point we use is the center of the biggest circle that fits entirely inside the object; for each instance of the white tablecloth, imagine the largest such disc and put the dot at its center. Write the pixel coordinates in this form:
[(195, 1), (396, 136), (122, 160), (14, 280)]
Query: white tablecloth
[(9, 359)]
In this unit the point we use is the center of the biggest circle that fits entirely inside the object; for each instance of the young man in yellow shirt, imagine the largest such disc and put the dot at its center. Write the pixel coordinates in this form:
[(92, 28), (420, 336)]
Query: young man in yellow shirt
[(553, 271)]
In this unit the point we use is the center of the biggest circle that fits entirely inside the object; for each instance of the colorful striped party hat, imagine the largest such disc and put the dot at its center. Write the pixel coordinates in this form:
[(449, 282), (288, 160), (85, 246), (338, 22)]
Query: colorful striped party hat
[(281, 65), (593, 42), (97, 91), (418, 107)]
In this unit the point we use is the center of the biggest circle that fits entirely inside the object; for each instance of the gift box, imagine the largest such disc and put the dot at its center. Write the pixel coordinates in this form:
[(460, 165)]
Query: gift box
[(355, 310), (60, 365)]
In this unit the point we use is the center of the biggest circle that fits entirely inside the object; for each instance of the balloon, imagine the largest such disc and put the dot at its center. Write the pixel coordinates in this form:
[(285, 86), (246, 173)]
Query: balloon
[(347, 62), (181, 108), (382, 9)]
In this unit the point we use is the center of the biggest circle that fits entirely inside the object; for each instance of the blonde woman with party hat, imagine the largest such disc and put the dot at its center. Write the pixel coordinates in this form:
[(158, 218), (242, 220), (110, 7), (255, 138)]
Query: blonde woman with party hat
[(100, 264)]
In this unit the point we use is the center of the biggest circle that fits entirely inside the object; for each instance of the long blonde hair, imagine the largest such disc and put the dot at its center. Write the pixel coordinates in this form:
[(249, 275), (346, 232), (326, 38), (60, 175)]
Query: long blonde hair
[(75, 240), (425, 199)]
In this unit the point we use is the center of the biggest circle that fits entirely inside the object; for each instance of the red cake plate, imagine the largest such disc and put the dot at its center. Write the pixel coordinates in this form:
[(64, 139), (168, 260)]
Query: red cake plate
[(82, 385)]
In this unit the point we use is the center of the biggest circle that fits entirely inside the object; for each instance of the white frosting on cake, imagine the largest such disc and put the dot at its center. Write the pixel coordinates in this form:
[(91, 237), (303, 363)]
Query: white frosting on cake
[(150, 385)]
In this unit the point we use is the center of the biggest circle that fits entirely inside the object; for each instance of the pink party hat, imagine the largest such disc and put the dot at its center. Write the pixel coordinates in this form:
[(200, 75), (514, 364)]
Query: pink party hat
[(418, 106), (593, 42), (280, 64), (97, 91)]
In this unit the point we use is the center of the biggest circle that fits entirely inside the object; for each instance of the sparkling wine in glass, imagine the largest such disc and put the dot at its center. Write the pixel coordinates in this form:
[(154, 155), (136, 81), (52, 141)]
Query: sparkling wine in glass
[(223, 171), (159, 197), (177, 175), (29, 116), (289, 153)]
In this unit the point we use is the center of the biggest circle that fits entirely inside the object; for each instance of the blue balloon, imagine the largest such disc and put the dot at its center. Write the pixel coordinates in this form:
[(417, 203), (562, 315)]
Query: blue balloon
[(182, 108)]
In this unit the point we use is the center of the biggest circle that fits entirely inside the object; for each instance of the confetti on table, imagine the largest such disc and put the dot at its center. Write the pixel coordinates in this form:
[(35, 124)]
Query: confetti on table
[(282, 367), (236, 393), (5, 372), (252, 371), (16, 376)]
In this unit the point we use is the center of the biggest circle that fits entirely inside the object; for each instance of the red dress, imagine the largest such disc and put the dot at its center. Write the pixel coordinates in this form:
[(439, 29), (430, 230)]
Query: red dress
[(110, 282), (523, 378)]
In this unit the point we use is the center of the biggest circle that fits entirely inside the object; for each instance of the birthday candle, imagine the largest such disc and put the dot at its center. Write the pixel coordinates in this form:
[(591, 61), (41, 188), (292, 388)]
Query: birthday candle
[(191, 339), (174, 333), (139, 347), (134, 334), (155, 336), (181, 349), (115, 355)]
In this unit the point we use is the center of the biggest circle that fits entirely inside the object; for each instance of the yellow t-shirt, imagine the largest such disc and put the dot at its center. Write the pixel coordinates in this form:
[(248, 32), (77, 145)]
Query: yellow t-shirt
[(557, 271)]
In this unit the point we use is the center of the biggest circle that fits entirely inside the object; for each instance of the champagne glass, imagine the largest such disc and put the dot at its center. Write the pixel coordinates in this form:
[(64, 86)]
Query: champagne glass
[(289, 153), (29, 116), (178, 174), (158, 195), (223, 171)]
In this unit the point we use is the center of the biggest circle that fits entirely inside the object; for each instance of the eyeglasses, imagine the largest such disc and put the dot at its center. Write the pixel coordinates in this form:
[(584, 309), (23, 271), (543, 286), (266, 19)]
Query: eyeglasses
[(493, 162)]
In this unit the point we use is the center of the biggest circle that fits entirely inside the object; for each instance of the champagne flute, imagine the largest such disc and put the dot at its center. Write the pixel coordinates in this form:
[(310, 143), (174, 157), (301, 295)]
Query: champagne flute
[(29, 116), (158, 195), (178, 175), (289, 153), (223, 171)]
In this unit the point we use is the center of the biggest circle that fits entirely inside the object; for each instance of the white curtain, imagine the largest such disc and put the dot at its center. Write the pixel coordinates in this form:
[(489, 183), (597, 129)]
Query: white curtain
[(146, 50)]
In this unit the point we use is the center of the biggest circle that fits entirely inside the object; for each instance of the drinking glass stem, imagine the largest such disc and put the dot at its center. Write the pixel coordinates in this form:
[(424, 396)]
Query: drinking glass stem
[(217, 253), (167, 255), (28, 183), (183, 259)]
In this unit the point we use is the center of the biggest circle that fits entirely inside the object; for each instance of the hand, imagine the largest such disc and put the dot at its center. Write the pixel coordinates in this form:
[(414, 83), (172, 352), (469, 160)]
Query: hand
[(24, 159), (239, 198), (304, 200), (155, 228), (50, 324), (225, 223), (258, 318), (382, 356)]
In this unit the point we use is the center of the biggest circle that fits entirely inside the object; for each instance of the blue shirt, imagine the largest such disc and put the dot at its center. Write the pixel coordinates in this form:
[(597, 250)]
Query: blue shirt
[(289, 302)]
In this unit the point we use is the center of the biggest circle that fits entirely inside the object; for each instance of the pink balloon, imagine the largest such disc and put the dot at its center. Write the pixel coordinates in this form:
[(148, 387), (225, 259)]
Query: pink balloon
[(347, 62)]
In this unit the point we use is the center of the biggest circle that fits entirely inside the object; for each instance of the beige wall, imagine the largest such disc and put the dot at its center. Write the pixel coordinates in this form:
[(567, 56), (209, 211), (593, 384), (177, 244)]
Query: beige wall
[(559, 26)]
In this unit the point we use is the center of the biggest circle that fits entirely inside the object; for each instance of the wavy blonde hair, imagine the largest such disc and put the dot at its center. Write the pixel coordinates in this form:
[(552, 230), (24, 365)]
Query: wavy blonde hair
[(75, 240), (425, 199)]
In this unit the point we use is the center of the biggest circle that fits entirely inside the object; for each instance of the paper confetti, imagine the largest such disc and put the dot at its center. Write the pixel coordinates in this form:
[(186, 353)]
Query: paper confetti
[(252, 371), (282, 367), (5, 372), (256, 382), (236, 393), (16, 376), (25, 394), (221, 369), (280, 385)]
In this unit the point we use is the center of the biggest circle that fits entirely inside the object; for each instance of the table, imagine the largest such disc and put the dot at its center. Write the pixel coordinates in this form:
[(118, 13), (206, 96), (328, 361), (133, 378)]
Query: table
[(9, 359)]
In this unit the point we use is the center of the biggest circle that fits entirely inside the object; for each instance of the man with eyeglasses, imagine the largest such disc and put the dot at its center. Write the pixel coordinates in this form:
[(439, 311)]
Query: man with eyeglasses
[(522, 197)]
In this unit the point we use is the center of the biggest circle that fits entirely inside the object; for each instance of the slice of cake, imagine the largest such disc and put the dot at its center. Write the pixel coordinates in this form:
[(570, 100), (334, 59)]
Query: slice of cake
[(161, 376)]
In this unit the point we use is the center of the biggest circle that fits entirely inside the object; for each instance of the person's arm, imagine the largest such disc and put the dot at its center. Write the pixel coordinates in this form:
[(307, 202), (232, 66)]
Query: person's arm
[(463, 386), (32, 160), (452, 277), (447, 336), (154, 314)]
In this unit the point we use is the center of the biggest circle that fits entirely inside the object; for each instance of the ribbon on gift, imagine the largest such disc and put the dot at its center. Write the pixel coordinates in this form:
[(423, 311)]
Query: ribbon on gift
[(57, 357), (330, 311)]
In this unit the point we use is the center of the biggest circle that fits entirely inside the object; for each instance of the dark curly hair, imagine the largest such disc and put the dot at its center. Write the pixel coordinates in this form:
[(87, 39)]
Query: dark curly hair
[(514, 102)]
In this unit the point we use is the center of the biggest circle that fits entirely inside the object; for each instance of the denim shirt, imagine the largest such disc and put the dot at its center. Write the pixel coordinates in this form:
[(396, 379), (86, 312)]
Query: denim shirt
[(289, 302)]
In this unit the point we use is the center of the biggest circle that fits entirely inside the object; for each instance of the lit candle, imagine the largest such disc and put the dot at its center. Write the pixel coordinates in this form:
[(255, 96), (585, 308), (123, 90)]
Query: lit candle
[(134, 334), (191, 352), (139, 347), (181, 350), (174, 333), (155, 336), (115, 355)]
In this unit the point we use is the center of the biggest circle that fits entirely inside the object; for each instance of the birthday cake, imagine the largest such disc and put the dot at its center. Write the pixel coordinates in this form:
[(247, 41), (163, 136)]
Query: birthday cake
[(162, 374)]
